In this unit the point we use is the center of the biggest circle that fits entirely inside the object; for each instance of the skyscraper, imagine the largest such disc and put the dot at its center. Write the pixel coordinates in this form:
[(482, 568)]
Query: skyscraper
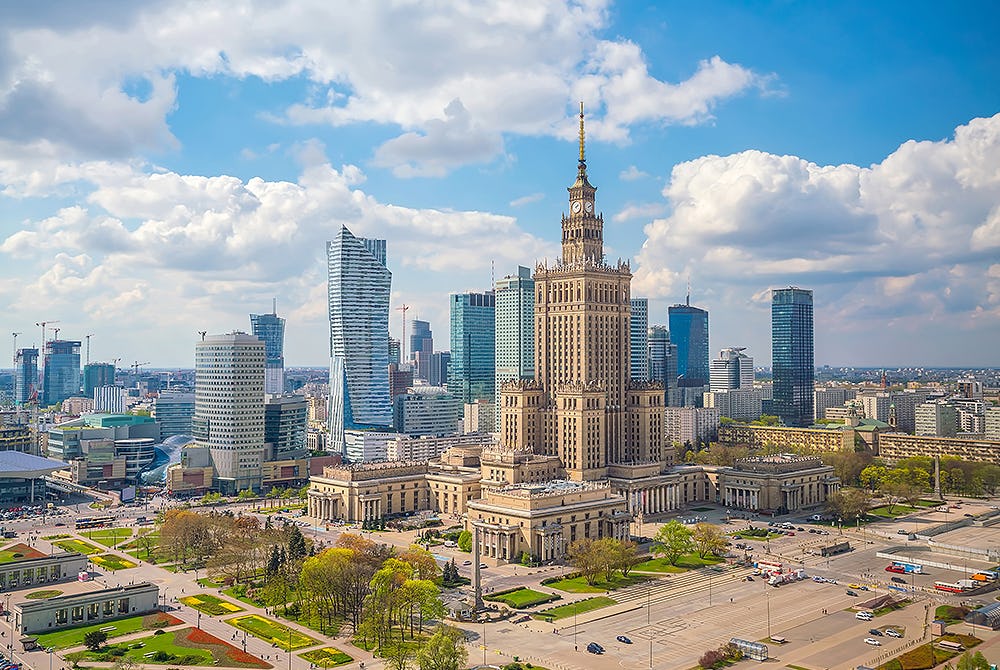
[(515, 331), (61, 377), (358, 292), (421, 348), (689, 331), (97, 374), (473, 346), (792, 355), (731, 370), (639, 333), (25, 375), (229, 408), (174, 411), (285, 421), (270, 329), (663, 363)]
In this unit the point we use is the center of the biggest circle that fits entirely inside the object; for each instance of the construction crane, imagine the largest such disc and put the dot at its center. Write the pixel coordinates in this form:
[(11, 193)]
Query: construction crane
[(136, 365), (43, 324), (402, 341), (114, 362), (56, 331), (88, 346)]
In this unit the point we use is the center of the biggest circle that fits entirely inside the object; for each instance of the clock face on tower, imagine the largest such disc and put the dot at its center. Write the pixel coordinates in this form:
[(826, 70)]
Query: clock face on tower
[(576, 207), (589, 207)]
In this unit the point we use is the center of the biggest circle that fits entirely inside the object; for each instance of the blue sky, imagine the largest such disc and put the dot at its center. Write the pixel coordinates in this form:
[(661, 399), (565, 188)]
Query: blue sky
[(167, 168)]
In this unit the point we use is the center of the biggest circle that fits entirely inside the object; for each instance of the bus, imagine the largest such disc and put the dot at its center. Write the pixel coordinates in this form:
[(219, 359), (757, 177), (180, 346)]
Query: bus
[(94, 521), (952, 646), (768, 567), (915, 568), (949, 587), (985, 576)]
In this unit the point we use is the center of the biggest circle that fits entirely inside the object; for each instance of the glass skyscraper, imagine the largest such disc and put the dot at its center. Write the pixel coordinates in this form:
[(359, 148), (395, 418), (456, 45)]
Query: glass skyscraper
[(473, 346), (421, 348), (358, 293), (515, 331), (96, 375), (689, 331), (639, 334), (61, 377), (792, 362), (663, 363), (25, 375), (270, 328)]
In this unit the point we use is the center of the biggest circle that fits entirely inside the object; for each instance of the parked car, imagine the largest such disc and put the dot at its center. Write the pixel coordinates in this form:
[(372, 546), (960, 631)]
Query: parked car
[(622, 638), (873, 642), (483, 566), (852, 593), (875, 631), (892, 632), (595, 648), (899, 580), (466, 562)]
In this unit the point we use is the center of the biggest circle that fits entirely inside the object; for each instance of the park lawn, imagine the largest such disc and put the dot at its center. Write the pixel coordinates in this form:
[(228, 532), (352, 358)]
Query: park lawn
[(312, 622), (184, 647), (412, 645), (580, 585), (684, 563), (209, 604), (210, 583), (579, 607), (893, 607), (16, 552), (112, 562), (239, 592), (72, 637), (327, 657), (269, 630), (57, 536), (898, 510), (44, 594), (928, 656), (522, 598), (109, 537), (79, 546), (950, 613)]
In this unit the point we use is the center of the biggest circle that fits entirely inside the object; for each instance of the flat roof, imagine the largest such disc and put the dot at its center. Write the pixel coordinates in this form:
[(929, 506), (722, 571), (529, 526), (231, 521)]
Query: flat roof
[(19, 465)]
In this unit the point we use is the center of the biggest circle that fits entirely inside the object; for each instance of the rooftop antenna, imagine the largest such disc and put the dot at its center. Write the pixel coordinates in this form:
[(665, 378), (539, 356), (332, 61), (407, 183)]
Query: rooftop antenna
[(493, 273), (274, 306), (202, 333), (687, 300)]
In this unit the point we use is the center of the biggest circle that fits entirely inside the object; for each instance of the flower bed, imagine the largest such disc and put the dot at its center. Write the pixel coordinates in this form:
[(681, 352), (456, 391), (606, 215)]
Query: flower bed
[(210, 604), (327, 657)]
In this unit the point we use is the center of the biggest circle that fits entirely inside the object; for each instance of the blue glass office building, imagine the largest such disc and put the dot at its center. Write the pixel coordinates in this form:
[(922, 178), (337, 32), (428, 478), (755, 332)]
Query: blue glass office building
[(61, 377), (471, 375), (792, 361), (25, 375), (270, 329), (358, 292), (689, 331)]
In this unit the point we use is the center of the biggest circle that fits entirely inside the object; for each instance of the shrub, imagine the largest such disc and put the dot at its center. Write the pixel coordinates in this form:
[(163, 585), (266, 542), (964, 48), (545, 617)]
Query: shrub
[(711, 658)]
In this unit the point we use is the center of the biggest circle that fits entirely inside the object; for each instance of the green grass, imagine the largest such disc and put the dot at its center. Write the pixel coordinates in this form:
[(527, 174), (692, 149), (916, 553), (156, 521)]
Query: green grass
[(239, 592), (684, 563), (78, 546), (311, 620), (412, 645), (210, 583), (209, 604), (16, 552), (109, 537), (44, 594), (112, 562), (522, 598), (898, 510), (327, 657), (950, 613), (927, 655), (580, 585), (58, 536), (184, 647), (892, 608), (579, 607), (72, 637), (272, 631)]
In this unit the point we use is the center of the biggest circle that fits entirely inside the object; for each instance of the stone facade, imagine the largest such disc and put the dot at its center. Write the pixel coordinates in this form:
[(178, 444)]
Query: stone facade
[(782, 483), (42, 616), (896, 446), (837, 438), (44, 570)]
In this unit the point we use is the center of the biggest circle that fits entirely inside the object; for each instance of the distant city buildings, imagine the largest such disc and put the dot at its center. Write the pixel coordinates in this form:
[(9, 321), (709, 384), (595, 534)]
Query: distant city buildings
[(97, 374), (358, 291), (174, 411), (270, 329), (731, 370), (792, 364), (25, 376), (936, 419), (285, 420), (427, 410), (61, 375), (663, 363), (421, 348), (471, 375), (108, 399)]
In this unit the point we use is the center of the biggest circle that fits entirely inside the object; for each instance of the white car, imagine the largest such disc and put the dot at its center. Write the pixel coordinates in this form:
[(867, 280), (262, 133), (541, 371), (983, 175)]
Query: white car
[(892, 632), (873, 642)]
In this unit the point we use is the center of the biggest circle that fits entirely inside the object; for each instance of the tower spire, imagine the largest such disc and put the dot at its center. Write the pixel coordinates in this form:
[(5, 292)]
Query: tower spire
[(583, 160)]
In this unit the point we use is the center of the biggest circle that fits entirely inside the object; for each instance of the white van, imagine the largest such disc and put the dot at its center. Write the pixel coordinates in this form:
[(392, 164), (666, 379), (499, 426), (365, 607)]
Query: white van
[(864, 616)]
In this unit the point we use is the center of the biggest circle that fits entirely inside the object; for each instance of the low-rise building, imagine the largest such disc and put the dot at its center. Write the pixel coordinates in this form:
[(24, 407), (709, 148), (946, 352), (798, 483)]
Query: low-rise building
[(782, 483), (894, 447), (832, 438), (44, 570), (427, 447), (41, 616)]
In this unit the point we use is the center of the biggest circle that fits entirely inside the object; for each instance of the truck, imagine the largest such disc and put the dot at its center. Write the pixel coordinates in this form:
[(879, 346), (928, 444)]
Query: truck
[(791, 576), (969, 584)]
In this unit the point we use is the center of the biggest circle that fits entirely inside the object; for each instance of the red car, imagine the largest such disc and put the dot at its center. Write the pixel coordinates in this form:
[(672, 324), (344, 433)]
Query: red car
[(895, 568)]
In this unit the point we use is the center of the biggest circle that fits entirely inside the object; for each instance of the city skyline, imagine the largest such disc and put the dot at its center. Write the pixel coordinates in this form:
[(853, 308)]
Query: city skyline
[(183, 177)]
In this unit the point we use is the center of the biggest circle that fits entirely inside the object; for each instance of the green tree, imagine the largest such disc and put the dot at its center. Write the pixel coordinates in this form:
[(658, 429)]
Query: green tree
[(672, 541), (587, 557), (397, 656), (95, 639), (465, 541), (972, 661), (444, 650), (708, 539), (874, 476), (296, 544), (246, 494)]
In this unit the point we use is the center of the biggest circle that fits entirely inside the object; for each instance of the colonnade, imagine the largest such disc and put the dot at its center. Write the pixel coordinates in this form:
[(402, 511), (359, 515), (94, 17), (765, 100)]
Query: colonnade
[(655, 499), (744, 498)]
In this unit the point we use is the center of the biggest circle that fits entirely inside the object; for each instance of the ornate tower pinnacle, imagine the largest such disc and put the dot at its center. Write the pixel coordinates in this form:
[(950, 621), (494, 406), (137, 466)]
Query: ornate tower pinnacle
[(583, 234), (583, 160)]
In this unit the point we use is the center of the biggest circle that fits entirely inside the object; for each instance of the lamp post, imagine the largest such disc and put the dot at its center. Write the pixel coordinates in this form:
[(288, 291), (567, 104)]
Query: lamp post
[(289, 648), (575, 648), (50, 650), (767, 598), (649, 588)]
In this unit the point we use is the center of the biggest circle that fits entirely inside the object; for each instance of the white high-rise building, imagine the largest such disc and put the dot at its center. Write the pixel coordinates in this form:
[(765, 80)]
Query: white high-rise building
[(515, 328), (691, 425), (991, 423), (358, 292), (731, 370), (937, 419), (824, 398), (229, 408), (109, 399), (639, 335), (739, 404)]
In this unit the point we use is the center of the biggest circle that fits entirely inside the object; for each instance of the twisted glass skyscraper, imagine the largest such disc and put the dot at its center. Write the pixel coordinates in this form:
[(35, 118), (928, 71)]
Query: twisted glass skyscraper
[(792, 355), (358, 293)]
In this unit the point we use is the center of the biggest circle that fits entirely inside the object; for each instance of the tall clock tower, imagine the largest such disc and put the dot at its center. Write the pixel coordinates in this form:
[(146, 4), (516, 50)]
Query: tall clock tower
[(583, 229)]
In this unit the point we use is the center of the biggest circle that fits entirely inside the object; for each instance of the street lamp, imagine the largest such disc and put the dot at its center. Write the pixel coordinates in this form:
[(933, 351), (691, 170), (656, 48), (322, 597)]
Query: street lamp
[(50, 650), (649, 588)]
